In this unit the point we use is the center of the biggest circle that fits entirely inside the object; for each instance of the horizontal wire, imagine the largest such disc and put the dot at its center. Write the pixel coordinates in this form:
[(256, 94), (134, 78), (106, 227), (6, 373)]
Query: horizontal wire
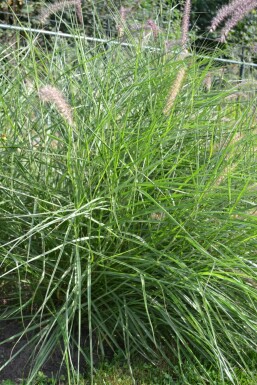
[(64, 34), (115, 42), (204, 38)]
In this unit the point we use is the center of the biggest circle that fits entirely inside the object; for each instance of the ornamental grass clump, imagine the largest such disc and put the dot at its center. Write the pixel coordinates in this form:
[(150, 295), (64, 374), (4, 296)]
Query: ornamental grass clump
[(129, 241)]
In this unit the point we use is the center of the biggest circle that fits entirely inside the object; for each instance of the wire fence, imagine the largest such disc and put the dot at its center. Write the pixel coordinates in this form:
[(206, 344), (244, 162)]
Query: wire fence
[(242, 53), (243, 64)]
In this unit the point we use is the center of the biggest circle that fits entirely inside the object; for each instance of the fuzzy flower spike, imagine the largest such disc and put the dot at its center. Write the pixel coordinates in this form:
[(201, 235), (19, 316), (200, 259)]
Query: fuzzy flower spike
[(223, 13), (241, 11), (232, 13), (154, 27), (185, 23), (46, 12), (178, 83), (54, 96), (123, 16)]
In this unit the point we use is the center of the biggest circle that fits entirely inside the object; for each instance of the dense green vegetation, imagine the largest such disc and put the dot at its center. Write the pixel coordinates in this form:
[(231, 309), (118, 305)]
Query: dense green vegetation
[(127, 229)]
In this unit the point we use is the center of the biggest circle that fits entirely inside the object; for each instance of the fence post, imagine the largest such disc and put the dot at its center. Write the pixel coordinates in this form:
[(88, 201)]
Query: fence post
[(242, 66)]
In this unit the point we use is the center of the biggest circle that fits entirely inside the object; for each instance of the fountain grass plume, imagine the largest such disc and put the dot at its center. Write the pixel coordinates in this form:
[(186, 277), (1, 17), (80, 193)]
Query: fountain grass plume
[(79, 13), (185, 23), (207, 82), (174, 90), (154, 27), (52, 95), (46, 12), (223, 13), (240, 12), (123, 15), (232, 13)]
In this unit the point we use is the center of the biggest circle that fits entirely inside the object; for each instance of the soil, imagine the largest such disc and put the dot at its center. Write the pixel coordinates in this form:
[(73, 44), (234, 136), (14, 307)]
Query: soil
[(19, 367)]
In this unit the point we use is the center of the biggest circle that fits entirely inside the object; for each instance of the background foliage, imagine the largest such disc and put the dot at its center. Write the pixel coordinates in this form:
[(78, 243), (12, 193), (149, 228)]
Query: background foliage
[(100, 14)]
